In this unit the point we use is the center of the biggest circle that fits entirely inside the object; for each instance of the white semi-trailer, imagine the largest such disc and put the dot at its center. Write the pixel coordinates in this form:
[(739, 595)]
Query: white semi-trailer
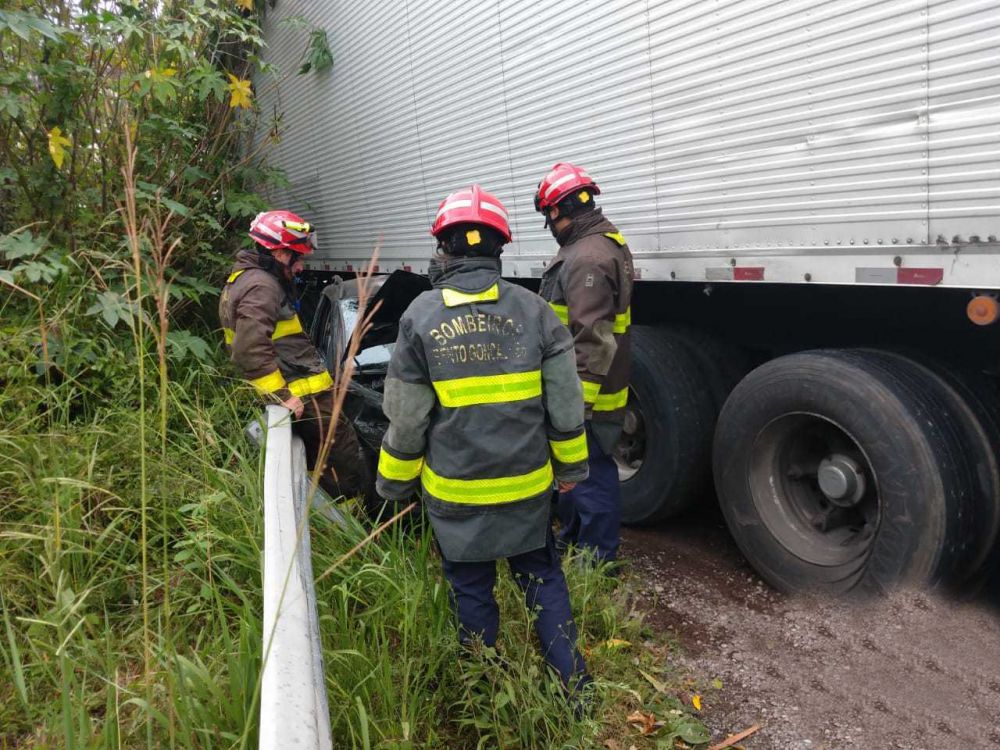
[(811, 192)]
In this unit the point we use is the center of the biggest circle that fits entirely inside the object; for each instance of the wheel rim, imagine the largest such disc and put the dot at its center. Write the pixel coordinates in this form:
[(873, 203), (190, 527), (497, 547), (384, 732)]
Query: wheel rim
[(814, 489), (630, 451)]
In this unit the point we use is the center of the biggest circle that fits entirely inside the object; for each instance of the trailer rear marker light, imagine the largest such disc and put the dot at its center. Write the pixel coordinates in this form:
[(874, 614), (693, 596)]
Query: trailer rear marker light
[(921, 276), (735, 273), (983, 309)]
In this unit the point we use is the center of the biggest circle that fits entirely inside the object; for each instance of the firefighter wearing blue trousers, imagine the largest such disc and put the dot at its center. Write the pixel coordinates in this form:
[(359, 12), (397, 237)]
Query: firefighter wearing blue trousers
[(486, 415), (589, 286)]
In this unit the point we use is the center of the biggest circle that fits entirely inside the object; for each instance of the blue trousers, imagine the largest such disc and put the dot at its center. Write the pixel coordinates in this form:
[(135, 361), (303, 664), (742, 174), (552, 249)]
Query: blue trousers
[(590, 514), (540, 577)]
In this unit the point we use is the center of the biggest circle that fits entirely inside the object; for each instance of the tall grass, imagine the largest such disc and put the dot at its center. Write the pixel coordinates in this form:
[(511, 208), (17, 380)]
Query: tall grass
[(130, 583), (72, 670)]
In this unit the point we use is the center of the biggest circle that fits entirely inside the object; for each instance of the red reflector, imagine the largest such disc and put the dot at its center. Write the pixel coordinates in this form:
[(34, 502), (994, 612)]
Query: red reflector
[(748, 273), (407, 268), (375, 269), (350, 267), (930, 276)]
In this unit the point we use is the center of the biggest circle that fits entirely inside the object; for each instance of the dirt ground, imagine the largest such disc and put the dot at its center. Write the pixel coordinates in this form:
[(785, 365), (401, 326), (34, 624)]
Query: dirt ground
[(911, 671)]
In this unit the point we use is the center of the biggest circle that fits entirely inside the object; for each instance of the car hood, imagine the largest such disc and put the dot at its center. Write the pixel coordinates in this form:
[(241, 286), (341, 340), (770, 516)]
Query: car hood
[(389, 302)]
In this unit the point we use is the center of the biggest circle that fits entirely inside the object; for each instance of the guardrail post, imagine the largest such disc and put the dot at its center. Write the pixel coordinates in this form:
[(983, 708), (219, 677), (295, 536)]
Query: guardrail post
[(293, 705)]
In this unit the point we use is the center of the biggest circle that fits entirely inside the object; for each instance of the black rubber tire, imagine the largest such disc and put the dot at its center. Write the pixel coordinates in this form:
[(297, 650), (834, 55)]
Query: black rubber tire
[(908, 439), (722, 364), (975, 412), (678, 414)]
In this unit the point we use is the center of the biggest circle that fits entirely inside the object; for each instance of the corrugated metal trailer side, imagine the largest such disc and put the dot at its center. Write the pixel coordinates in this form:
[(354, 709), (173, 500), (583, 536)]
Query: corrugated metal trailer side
[(839, 142)]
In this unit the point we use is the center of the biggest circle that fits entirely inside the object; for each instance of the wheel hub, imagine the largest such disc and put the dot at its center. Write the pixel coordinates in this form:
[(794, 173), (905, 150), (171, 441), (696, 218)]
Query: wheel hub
[(841, 480)]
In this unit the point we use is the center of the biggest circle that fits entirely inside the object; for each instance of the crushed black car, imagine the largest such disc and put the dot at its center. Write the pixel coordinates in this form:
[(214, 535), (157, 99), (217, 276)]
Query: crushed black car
[(335, 314)]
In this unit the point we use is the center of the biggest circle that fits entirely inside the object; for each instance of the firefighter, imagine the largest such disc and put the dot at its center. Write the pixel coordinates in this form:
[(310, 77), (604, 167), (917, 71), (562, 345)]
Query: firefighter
[(589, 286), (486, 412), (259, 314)]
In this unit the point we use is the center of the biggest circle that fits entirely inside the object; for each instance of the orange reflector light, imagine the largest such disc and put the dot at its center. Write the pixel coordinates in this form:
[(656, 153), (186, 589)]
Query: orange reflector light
[(983, 310)]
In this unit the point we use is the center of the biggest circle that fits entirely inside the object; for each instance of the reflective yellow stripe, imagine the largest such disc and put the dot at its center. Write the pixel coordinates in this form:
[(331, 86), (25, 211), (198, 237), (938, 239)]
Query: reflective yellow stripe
[(488, 491), (591, 391), (489, 389), (269, 383), (561, 311), (615, 237), (313, 384), (623, 320), (234, 275), (287, 327), (454, 298), (397, 468), (570, 451), (611, 401), (281, 329)]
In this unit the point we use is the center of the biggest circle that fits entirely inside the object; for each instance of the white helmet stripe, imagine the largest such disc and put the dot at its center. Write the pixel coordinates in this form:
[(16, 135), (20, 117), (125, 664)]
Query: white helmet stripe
[(494, 208), (462, 203), (555, 185), (265, 229)]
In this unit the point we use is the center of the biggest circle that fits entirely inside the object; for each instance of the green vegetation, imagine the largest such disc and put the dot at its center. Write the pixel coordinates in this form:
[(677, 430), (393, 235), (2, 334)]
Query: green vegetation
[(130, 514)]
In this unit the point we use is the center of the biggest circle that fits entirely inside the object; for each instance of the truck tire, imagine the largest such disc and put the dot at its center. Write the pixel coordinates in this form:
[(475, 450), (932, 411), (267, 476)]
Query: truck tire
[(839, 470), (667, 436), (721, 363), (975, 414)]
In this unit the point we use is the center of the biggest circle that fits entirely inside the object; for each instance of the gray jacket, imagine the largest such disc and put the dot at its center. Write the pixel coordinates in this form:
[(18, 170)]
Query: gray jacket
[(485, 409)]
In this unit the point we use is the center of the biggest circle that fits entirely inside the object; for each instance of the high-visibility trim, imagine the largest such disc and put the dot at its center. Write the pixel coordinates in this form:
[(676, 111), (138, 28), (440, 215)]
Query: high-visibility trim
[(623, 320), (611, 401), (591, 391), (570, 451), (454, 298), (287, 327), (460, 203), (313, 384), (561, 181), (234, 275), (398, 469), (487, 491), (494, 208), (615, 237), (270, 383), (489, 389), (561, 311), (283, 328)]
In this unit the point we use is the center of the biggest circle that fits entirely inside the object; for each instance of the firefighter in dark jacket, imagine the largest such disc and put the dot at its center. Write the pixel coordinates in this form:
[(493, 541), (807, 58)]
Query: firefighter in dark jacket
[(259, 314), (589, 286), (486, 413)]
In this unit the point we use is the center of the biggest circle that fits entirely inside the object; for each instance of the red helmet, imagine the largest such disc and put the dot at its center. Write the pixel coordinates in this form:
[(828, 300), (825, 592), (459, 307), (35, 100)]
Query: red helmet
[(564, 178), (472, 206), (283, 230)]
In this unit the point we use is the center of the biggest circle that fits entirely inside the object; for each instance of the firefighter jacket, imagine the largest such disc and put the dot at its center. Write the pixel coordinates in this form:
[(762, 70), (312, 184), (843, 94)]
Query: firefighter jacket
[(589, 286), (485, 411), (263, 332)]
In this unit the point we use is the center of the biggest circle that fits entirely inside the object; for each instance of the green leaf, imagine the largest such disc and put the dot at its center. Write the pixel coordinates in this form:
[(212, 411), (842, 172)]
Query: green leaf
[(22, 24), (20, 245), (692, 731), (112, 307), (244, 204), (318, 56), (178, 208), (183, 343)]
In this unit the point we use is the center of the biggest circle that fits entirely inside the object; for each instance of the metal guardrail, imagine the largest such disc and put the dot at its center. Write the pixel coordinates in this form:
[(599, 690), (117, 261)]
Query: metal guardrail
[(293, 704)]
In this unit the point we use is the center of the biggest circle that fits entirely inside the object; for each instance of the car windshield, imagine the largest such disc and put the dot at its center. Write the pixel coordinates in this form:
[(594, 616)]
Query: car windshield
[(378, 355)]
